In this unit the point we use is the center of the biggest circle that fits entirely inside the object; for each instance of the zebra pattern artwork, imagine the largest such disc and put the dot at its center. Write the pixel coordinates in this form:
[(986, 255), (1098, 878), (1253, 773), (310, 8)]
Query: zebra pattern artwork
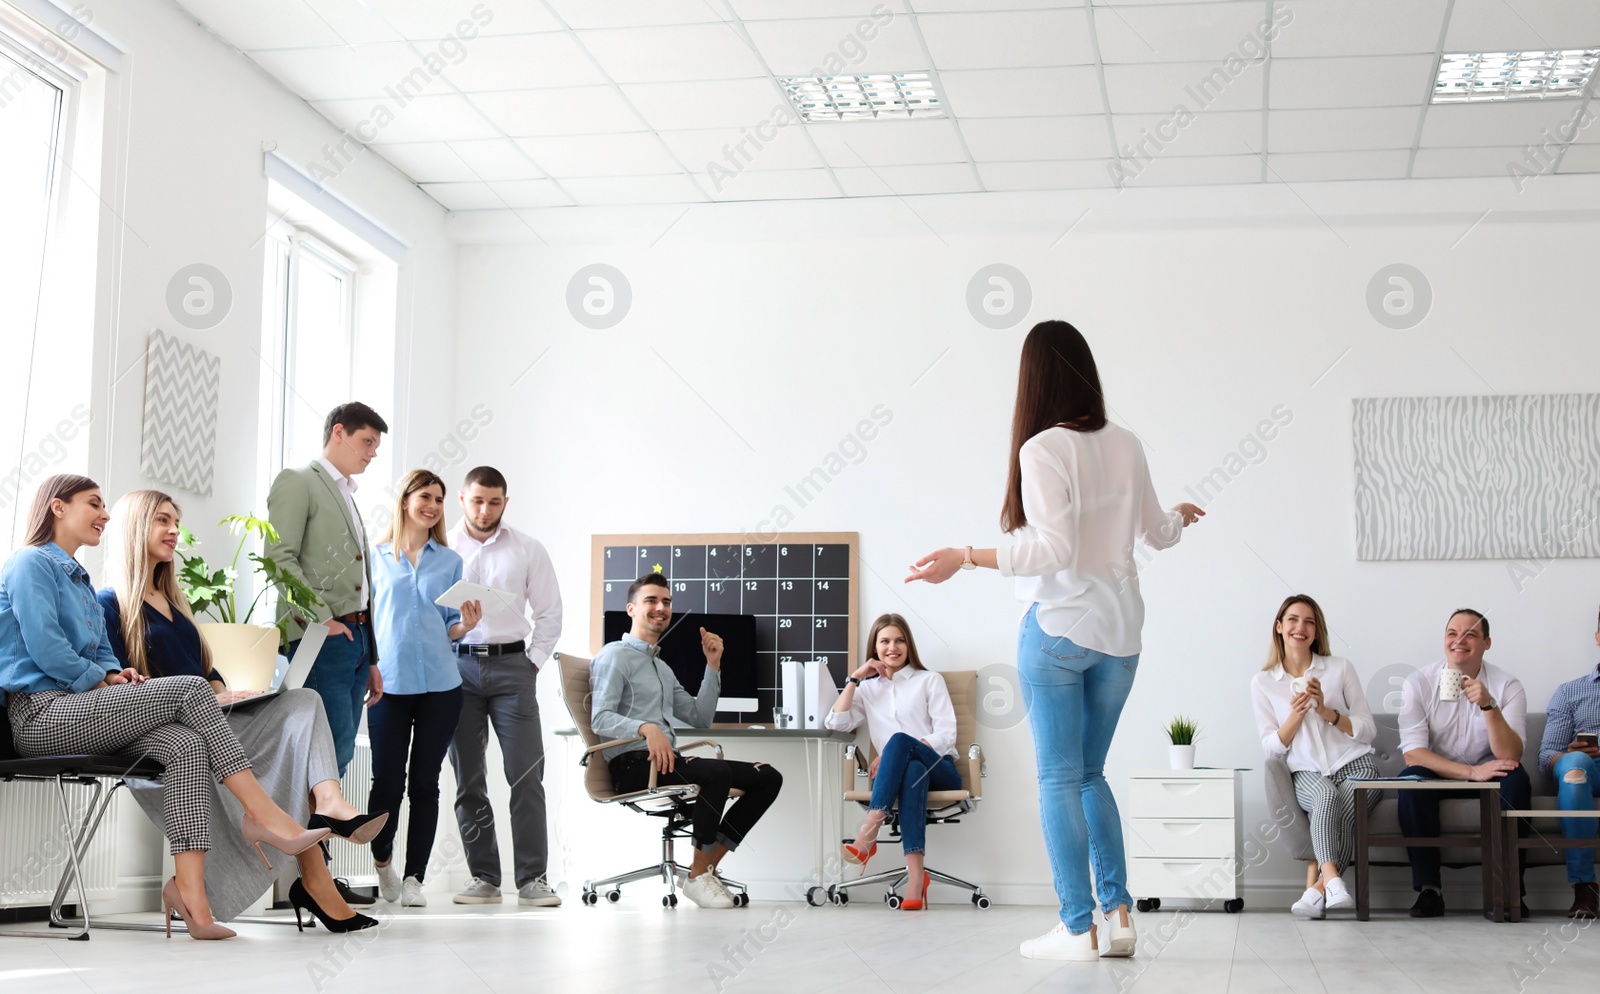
[(181, 389), (1478, 477)]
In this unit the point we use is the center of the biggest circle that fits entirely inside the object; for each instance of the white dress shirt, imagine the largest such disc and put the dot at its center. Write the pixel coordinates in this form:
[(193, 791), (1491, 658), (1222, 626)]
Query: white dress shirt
[(1318, 746), (511, 561), (913, 701), (1087, 496), (347, 486), (1456, 729)]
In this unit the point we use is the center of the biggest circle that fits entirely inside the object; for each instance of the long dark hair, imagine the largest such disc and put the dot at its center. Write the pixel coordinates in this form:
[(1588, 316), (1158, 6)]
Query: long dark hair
[(1057, 384), (895, 620), (41, 520)]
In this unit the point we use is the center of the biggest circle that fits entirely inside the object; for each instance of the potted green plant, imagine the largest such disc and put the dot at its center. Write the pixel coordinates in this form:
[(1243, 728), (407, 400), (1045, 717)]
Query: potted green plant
[(1181, 732), (245, 654)]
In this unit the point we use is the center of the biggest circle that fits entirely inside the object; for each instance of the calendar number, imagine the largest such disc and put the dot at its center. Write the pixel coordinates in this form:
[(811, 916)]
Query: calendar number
[(822, 622), (822, 584), (750, 585), (788, 584), (785, 622)]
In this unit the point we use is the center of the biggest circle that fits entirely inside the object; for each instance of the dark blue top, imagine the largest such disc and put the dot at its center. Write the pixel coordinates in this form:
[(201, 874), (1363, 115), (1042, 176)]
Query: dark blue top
[(171, 645)]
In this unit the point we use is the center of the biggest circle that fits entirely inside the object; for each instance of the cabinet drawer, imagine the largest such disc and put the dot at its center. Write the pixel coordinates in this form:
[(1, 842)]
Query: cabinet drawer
[(1152, 876), (1204, 838), (1178, 797)]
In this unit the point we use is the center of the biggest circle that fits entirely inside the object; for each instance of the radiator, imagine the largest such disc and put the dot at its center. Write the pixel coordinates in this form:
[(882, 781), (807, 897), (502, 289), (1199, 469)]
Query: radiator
[(33, 846), (350, 861)]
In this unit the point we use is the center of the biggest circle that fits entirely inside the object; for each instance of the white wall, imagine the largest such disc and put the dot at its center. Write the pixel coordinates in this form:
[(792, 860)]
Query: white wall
[(760, 334)]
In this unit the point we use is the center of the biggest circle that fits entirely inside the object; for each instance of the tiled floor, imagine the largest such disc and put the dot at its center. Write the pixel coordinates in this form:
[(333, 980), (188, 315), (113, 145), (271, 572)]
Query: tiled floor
[(772, 947)]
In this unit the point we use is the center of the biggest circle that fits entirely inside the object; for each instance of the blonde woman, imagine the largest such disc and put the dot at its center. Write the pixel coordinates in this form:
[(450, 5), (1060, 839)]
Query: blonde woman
[(416, 717), (1312, 712), (152, 631)]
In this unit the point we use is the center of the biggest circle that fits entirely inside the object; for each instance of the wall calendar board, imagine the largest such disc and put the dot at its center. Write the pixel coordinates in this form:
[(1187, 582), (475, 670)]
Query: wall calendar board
[(801, 589)]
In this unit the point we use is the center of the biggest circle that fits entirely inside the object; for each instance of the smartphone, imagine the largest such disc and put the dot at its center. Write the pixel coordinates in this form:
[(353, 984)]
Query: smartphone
[(1588, 739)]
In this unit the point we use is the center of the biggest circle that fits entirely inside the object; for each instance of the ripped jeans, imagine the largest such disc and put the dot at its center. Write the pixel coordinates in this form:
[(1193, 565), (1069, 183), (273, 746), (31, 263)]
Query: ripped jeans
[(1577, 795)]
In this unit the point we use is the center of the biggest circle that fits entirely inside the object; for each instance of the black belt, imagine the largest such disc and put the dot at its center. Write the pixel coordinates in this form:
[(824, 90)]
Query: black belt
[(497, 649)]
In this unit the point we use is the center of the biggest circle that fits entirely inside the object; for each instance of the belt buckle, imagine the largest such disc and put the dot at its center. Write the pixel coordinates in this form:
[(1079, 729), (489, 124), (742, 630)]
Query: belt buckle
[(479, 650)]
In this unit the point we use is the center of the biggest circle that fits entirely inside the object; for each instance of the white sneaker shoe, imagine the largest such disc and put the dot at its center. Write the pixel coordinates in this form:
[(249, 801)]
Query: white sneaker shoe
[(1338, 898), (479, 892), (538, 894), (1310, 904), (389, 882), (1119, 938), (1059, 944), (411, 895), (707, 891)]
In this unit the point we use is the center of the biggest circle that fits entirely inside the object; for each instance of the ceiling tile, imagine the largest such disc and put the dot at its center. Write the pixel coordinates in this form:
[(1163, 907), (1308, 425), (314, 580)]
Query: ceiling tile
[(1158, 88), (465, 196), (425, 118), (441, 18), (1511, 25), (1335, 130), (888, 143), (1365, 81), (1360, 27), (743, 149), (311, 23), (835, 46), (760, 10), (984, 6), (772, 184), (1517, 122), (578, 110), (1433, 162), (727, 103), (1224, 133), (628, 154), (1180, 170), (496, 159), (1080, 175), (999, 139), (335, 72), (676, 189), (581, 14), (1022, 92), (903, 181), (672, 53), (530, 193), (524, 62), (1309, 167), (1185, 33), (1581, 159), (1007, 38), (426, 162)]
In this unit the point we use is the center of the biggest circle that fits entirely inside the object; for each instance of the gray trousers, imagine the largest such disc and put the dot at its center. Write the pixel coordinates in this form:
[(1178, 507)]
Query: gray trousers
[(501, 690)]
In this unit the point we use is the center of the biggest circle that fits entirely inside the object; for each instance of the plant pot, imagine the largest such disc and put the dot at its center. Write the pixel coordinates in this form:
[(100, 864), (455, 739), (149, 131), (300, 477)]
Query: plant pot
[(245, 655), (1181, 757)]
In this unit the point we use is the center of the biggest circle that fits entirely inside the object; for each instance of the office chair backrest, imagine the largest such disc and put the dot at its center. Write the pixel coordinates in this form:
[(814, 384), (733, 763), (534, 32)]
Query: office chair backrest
[(575, 692), (963, 687)]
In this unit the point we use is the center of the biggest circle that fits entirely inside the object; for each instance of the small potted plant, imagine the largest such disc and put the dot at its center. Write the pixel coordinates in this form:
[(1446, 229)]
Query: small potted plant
[(1181, 731), (246, 654)]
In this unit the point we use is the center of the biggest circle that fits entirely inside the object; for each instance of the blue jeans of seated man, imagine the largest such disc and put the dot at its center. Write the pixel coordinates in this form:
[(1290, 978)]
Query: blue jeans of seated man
[(907, 769), (1073, 698), (1577, 797), (339, 676)]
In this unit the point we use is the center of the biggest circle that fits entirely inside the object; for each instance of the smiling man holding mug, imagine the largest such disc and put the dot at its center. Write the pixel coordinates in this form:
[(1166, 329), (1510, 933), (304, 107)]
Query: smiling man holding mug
[(1461, 719)]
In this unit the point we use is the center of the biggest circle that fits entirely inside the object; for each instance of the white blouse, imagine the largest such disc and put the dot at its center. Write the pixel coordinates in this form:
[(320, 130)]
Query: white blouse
[(1087, 496), (1318, 746), (913, 701)]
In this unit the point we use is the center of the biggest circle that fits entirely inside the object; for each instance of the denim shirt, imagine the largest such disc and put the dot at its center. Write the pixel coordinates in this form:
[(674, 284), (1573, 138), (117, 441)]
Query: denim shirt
[(631, 687), (414, 651), (52, 631)]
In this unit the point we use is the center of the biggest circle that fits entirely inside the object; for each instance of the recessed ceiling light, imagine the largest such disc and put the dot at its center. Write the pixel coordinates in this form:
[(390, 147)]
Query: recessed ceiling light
[(894, 95), (1473, 76)]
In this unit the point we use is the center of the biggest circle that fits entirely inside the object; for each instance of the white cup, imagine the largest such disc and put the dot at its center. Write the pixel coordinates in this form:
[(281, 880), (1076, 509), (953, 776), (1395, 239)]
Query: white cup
[(1299, 684), (1450, 684)]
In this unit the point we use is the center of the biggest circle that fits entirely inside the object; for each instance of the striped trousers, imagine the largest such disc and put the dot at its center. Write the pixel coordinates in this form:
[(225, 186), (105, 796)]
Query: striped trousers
[(173, 720), (1330, 801)]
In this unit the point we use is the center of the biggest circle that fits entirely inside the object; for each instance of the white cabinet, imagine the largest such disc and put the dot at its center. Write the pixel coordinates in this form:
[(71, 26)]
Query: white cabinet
[(1184, 833)]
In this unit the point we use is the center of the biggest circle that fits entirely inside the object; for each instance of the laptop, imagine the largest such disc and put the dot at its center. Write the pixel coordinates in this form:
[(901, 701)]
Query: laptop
[(299, 668)]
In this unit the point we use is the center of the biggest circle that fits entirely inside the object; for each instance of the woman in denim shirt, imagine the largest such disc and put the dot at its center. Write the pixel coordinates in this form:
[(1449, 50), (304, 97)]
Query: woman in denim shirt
[(68, 694)]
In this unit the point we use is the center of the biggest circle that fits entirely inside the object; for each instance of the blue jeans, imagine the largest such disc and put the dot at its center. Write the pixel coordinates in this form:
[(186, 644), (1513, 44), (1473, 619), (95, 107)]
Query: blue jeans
[(1073, 698), (1577, 797), (907, 769), (339, 676)]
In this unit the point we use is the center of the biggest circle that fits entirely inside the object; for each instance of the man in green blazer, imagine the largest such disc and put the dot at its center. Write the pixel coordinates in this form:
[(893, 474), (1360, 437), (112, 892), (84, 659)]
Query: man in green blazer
[(321, 540)]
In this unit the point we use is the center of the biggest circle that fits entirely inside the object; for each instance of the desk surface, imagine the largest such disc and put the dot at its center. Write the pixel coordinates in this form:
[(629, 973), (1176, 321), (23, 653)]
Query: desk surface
[(1425, 784), (746, 732)]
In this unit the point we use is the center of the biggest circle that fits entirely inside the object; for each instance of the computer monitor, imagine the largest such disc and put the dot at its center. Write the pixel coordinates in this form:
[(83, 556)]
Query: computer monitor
[(680, 649)]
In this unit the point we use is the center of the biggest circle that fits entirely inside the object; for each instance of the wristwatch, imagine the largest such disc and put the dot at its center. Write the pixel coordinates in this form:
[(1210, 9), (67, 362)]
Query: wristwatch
[(853, 679), (1488, 707), (967, 563)]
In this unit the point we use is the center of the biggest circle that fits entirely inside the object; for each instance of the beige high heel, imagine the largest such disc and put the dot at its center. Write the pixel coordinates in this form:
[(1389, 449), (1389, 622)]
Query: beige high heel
[(172, 901), (255, 834)]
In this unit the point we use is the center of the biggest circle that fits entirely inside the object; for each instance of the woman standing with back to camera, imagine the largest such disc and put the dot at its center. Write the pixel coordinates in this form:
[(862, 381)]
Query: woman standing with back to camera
[(1077, 496)]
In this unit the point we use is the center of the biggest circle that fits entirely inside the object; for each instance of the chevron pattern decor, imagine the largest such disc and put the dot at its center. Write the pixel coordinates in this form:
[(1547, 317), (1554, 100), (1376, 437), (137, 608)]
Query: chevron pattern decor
[(181, 384)]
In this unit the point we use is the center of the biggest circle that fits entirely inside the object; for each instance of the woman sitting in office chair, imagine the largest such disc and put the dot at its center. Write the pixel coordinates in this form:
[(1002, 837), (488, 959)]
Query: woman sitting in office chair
[(913, 725), (152, 630)]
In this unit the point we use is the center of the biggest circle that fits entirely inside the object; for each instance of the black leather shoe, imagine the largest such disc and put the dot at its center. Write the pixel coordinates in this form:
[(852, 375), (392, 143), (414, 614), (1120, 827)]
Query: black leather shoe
[(353, 897), (298, 898), (361, 829), (1430, 904)]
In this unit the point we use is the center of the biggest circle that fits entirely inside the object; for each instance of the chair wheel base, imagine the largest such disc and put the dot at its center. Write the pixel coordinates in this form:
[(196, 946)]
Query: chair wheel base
[(1150, 904)]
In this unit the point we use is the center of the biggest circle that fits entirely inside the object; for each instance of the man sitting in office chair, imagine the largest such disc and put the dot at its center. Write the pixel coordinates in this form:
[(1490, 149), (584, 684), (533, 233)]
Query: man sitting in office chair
[(634, 695)]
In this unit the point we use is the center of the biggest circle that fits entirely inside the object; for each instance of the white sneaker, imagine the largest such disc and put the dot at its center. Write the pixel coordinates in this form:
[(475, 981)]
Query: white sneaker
[(1338, 898), (1310, 904), (1120, 938), (479, 892), (389, 882), (538, 894), (1060, 944), (411, 894), (707, 891)]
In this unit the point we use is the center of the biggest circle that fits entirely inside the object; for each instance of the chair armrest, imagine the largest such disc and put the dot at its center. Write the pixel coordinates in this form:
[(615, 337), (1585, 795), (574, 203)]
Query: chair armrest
[(977, 769), (606, 745), (697, 743)]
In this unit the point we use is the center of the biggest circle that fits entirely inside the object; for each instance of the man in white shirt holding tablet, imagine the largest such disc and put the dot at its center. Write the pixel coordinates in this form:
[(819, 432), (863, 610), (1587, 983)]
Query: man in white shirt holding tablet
[(1471, 733), (500, 661)]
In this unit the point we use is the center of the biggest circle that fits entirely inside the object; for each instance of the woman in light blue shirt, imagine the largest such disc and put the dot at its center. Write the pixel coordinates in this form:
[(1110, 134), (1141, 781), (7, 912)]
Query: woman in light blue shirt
[(421, 700)]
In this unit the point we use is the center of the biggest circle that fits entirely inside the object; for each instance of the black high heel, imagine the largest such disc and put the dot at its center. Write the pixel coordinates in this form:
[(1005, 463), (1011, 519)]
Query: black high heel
[(361, 829), (298, 898)]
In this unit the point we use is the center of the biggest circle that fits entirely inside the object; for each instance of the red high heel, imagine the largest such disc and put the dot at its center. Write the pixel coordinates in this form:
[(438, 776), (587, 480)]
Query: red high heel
[(916, 904), (856, 857)]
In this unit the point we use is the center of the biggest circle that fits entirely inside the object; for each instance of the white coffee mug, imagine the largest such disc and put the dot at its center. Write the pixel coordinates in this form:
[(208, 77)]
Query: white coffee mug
[(1450, 684), (1299, 684)]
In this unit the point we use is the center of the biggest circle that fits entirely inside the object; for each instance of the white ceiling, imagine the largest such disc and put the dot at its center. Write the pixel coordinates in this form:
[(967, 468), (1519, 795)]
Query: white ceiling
[(578, 102)]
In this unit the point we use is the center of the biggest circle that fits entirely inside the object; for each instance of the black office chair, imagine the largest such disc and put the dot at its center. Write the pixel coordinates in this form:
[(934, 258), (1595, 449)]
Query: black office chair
[(88, 771)]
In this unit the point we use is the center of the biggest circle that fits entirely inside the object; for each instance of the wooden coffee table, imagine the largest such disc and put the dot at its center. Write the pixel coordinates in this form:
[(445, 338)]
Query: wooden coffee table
[(1487, 841), (1514, 842)]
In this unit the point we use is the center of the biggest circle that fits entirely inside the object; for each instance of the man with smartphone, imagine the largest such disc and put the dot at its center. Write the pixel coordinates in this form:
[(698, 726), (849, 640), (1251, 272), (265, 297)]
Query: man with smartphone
[(1570, 751)]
